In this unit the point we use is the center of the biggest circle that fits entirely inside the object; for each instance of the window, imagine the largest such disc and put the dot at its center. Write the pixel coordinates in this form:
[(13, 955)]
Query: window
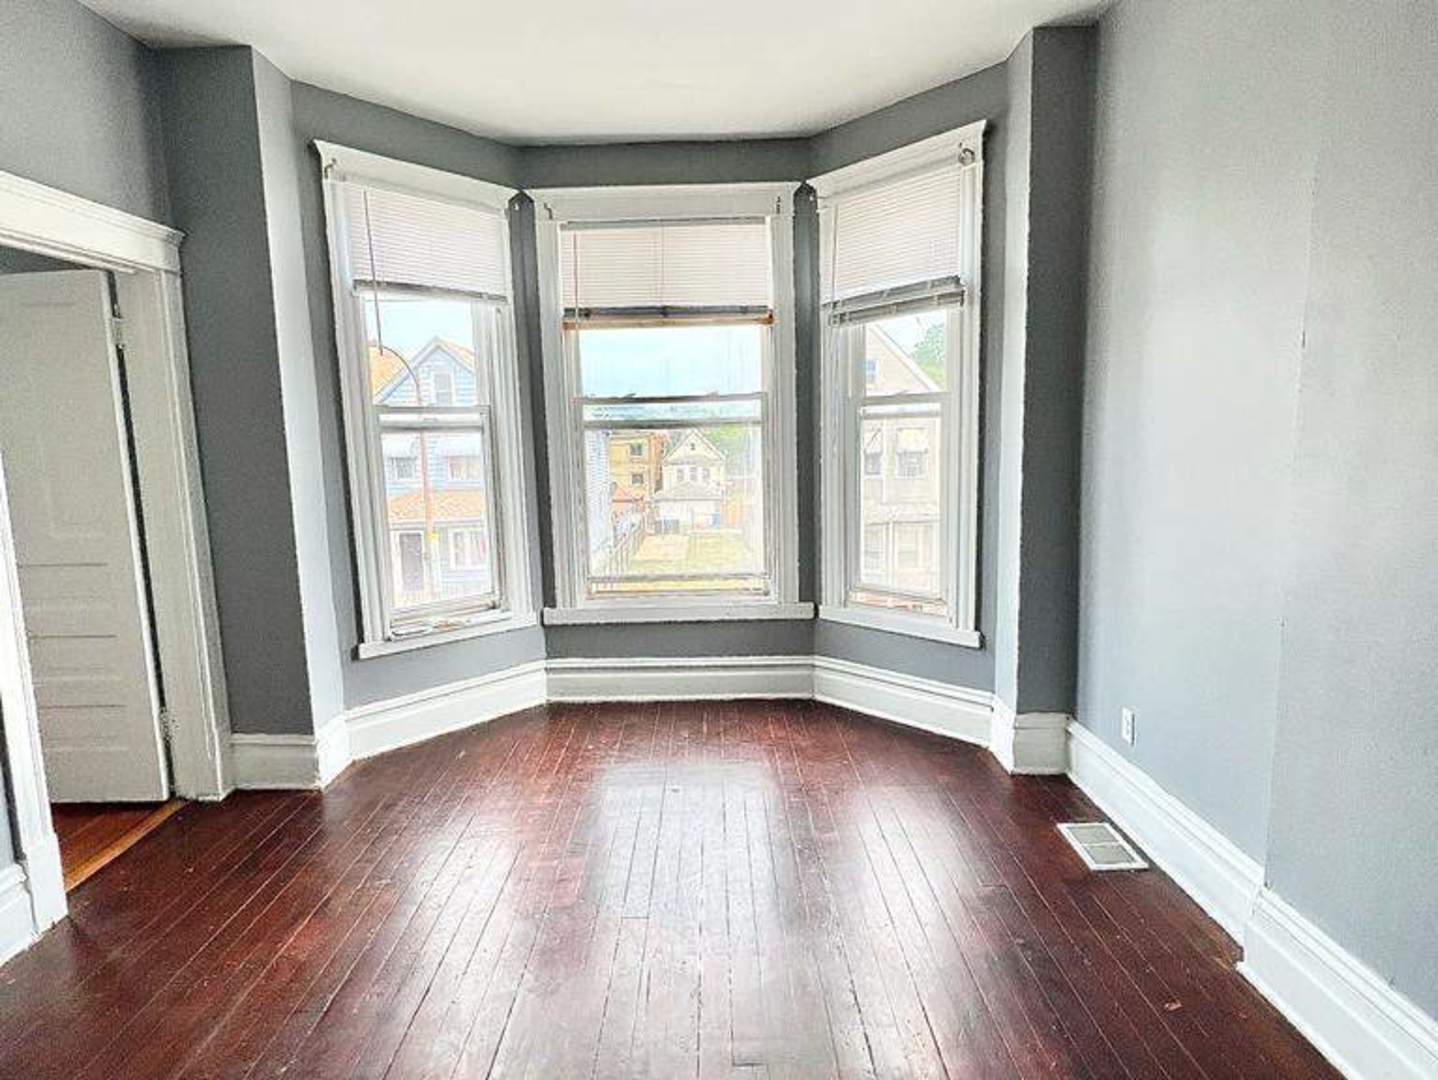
[(636, 478), (668, 328), (466, 467), (442, 384), (874, 453), (469, 549), (911, 453), (899, 295), (420, 263)]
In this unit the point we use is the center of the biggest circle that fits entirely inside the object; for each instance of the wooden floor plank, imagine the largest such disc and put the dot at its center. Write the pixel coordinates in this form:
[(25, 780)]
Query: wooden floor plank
[(732, 889)]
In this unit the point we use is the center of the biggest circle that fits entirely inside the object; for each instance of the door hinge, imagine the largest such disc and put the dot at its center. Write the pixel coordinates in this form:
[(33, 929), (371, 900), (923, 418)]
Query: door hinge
[(117, 331), (167, 724)]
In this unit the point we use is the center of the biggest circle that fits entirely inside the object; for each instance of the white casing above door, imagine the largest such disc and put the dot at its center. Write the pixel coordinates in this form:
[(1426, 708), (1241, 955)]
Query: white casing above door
[(77, 539)]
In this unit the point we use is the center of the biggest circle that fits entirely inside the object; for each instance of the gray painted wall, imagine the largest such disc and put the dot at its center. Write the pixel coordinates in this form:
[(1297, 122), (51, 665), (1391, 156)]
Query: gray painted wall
[(1202, 192), (984, 95), (320, 114), (217, 187), (79, 112), (1354, 820), (1052, 82), (663, 163), (281, 162)]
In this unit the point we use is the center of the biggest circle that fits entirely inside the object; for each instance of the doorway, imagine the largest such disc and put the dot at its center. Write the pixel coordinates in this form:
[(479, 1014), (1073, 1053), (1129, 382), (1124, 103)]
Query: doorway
[(111, 680), (67, 434)]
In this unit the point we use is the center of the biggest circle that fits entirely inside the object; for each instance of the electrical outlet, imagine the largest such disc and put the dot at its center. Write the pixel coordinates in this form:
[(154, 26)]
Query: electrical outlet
[(1126, 725)]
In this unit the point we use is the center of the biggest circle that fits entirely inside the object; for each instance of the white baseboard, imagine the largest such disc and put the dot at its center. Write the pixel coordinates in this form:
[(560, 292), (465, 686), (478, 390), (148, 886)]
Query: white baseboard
[(396, 722), (17, 918), (1029, 744), (1345, 1009), (1362, 1025), (1205, 863), (289, 762), (681, 678), (942, 708)]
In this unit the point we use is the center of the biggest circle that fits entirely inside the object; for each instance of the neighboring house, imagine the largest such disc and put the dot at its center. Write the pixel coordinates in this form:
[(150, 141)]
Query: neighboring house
[(444, 499), (634, 464), (692, 484), (900, 476)]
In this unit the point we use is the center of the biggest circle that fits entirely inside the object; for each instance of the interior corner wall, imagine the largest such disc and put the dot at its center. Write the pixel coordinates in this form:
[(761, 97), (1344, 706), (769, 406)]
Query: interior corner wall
[(981, 96), (1005, 495), (1354, 817), (1203, 174), (1059, 135), (80, 110), (321, 114), (218, 197), (281, 163)]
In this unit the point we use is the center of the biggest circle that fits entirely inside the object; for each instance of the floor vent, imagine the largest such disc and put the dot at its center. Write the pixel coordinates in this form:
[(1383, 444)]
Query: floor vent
[(1101, 846)]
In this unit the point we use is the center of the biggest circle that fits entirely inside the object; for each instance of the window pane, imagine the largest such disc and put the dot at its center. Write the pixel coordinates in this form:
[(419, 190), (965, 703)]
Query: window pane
[(906, 354), (677, 509), (423, 351), (899, 502), (671, 361), (440, 517)]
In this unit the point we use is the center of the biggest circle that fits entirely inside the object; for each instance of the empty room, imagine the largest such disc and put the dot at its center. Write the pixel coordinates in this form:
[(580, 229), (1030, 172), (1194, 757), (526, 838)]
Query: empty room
[(775, 540)]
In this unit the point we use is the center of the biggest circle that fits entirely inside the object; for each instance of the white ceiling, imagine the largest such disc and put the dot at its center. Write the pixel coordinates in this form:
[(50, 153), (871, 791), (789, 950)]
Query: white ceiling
[(550, 70)]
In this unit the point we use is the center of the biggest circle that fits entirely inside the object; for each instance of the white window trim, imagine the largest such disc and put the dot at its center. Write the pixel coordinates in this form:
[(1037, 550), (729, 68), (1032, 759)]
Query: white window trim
[(366, 469), (657, 203), (841, 463)]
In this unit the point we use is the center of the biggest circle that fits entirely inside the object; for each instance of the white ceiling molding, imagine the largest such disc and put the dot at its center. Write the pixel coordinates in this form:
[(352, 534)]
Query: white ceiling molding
[(573, 70)]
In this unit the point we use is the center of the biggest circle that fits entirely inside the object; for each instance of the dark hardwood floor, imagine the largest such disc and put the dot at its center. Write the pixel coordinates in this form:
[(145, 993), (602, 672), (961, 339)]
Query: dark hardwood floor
[(93, 835), (748, 889)]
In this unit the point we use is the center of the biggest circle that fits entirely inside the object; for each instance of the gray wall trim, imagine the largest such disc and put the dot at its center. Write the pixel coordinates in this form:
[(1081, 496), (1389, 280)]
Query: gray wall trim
[(217, 188)]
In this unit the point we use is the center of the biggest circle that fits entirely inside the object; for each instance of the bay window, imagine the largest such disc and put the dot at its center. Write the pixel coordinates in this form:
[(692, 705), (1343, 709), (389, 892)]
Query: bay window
[(425, 330), (899, 315), (668, 352)]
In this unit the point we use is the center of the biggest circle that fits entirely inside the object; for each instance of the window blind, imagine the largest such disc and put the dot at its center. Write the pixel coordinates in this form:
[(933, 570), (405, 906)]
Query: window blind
[(673, 264), (903, 232), (406, 240)]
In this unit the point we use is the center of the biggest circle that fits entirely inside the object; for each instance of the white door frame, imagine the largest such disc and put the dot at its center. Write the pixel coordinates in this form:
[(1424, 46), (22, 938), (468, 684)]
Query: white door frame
[(146, 258)]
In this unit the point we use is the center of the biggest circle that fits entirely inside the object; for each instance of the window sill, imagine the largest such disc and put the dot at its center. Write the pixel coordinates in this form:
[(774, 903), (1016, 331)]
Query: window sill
[(495, 623), (902, 623), (674, 613)]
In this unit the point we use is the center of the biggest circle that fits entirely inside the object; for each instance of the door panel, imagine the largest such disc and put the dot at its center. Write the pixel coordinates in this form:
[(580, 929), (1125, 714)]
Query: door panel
[(67, 463)]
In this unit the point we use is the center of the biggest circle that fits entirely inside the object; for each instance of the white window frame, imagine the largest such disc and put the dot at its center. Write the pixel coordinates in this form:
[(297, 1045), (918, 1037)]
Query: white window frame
[(364, 455), (554, 207), (842, 457)]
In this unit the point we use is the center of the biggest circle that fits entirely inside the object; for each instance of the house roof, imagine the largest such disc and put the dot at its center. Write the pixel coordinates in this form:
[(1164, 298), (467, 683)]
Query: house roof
[(466, 504), (384, 366), (678, 454), (891, 350), (387, 368)]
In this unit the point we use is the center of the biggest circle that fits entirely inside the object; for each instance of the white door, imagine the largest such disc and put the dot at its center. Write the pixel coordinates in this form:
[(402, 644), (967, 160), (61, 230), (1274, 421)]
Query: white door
[(77, 542)]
